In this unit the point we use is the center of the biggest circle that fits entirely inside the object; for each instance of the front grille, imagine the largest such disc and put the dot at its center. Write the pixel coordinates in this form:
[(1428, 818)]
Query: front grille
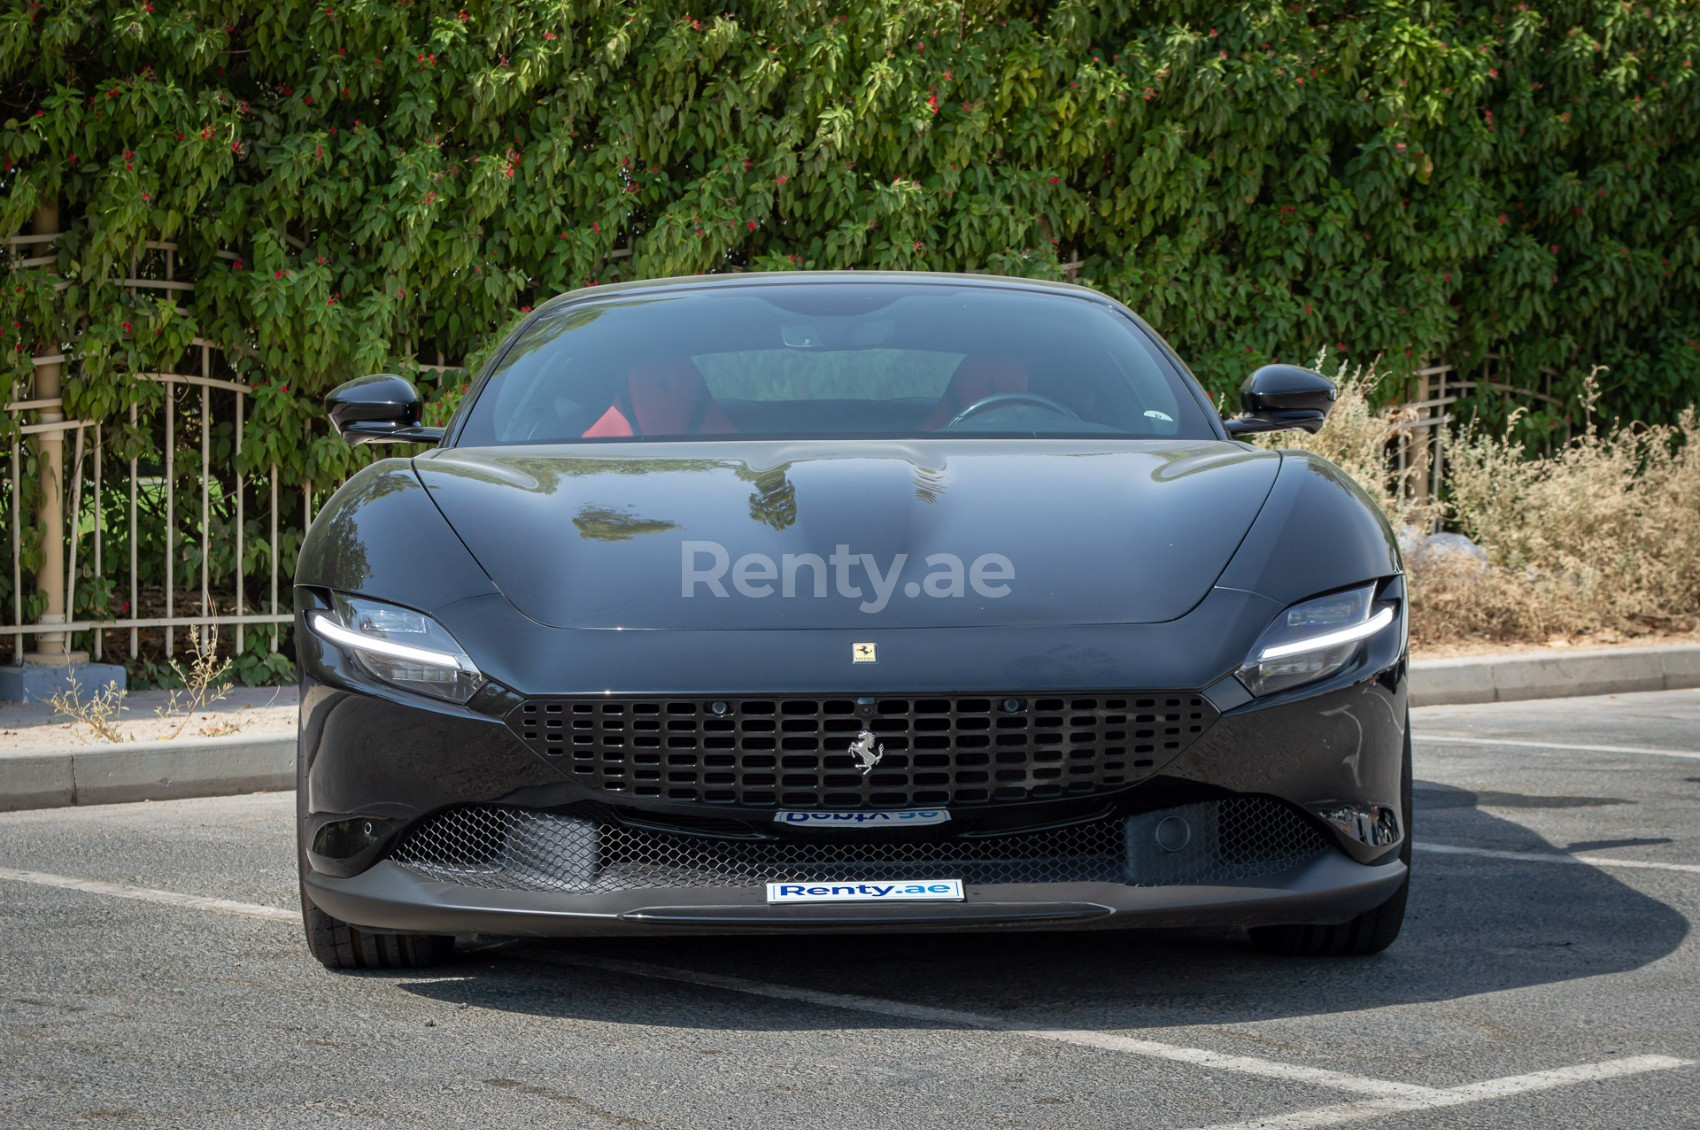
[(519, 849), (795, 752)]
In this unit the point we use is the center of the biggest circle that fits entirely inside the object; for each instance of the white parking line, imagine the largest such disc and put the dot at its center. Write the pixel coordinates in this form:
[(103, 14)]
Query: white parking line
[(1557, 857), (148, 894), (1488, 1089), (1386, 1096), (1390, 1097), (1460, 739), (1244, 1065)]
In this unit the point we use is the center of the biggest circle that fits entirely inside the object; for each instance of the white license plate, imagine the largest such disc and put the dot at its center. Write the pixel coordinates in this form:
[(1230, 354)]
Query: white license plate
[(897, 890), (907, 818)]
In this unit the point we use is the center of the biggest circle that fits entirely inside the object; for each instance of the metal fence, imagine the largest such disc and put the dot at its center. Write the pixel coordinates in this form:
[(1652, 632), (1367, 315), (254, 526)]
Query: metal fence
[(1434, 392), (146, 515)]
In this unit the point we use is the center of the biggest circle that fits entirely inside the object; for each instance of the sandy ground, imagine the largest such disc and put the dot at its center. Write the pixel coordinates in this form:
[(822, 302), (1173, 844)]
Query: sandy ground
[(245, 710)]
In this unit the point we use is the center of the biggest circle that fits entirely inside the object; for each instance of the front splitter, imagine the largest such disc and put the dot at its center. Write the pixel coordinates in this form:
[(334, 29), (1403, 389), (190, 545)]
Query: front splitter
[(388, 897)]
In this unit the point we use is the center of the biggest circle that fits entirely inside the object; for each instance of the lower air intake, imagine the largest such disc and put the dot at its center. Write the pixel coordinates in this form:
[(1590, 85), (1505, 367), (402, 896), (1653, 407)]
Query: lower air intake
[(519, 849)]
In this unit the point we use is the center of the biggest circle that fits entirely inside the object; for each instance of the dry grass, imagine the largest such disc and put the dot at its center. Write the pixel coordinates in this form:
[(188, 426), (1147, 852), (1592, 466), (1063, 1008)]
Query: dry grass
[(99, 712), (1600, 539), (204, 682)]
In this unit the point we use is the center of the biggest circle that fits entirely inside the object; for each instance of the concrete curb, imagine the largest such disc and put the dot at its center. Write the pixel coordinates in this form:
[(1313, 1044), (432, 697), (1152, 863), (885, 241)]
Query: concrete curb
[(245, 763), (165, 770), (1554, 674)]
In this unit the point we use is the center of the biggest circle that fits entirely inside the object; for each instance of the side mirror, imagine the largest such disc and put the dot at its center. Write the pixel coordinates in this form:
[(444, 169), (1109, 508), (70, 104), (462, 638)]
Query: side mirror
[(1278, 397), (382, 408)]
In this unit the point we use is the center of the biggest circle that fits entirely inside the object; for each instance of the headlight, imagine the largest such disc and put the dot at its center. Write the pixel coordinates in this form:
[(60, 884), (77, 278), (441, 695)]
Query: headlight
[(399, 646), (1314, 639)]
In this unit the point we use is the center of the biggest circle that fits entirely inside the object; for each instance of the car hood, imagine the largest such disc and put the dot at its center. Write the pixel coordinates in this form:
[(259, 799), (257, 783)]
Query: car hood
[(850, 534)]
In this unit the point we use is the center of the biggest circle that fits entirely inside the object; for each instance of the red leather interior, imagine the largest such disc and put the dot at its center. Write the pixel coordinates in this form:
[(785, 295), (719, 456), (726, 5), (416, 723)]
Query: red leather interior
[(663, 398), (611, 423), (976, 378)]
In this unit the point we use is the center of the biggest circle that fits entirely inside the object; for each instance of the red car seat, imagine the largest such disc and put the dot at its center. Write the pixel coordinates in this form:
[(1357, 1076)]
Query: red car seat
[(662, 398)]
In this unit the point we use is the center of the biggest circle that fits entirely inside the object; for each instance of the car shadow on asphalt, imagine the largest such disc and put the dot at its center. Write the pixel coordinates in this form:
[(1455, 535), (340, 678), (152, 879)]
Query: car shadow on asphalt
[(1475, 925)]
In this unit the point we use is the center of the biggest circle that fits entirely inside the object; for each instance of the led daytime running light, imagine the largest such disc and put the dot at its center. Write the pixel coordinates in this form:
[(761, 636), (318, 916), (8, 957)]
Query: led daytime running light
[(328, 628), (1333, 639)]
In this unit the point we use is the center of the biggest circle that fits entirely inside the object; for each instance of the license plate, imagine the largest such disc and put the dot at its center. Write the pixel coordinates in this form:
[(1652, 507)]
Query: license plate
[(907, 818), (898, 890)]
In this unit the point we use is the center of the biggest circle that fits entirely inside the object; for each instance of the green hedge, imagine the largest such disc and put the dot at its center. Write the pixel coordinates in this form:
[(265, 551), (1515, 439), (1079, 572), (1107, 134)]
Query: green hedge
[(1420, 180)]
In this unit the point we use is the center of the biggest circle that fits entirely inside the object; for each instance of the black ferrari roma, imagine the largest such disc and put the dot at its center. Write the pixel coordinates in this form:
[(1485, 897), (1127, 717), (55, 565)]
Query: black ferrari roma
[(847, 602)]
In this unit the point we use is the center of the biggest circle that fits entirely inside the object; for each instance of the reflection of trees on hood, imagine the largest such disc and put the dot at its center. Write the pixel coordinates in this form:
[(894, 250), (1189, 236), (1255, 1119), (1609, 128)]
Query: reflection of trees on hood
[(543, 474), (775, 499), (929, 483), (604, 523)]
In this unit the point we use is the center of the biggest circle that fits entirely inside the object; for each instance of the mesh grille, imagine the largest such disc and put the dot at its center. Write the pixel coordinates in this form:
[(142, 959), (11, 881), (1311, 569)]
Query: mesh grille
[(518, 849), (795, 752)]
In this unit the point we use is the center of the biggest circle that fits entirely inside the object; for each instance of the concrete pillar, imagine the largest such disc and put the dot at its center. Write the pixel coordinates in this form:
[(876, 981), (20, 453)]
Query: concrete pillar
[(53, 648), (52, 664)]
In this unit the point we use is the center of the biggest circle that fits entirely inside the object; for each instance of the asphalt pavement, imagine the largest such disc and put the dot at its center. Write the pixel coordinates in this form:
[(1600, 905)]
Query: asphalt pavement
[(152, 973)]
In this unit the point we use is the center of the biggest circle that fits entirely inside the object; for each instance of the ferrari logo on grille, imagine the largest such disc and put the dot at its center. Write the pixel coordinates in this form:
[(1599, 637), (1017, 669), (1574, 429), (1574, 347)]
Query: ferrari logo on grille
[(862, 653), (866, 753)]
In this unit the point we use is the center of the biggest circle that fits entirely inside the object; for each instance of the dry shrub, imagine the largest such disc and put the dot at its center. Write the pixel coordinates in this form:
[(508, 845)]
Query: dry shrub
[(1602, 536), (100, 712)]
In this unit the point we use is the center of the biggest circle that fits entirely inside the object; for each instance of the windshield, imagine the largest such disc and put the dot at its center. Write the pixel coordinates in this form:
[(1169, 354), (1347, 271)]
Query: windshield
[(831, 360)]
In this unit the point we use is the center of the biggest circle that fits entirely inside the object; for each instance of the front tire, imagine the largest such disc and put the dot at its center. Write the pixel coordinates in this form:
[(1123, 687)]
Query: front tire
[(337, 945), (1370, 932)]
